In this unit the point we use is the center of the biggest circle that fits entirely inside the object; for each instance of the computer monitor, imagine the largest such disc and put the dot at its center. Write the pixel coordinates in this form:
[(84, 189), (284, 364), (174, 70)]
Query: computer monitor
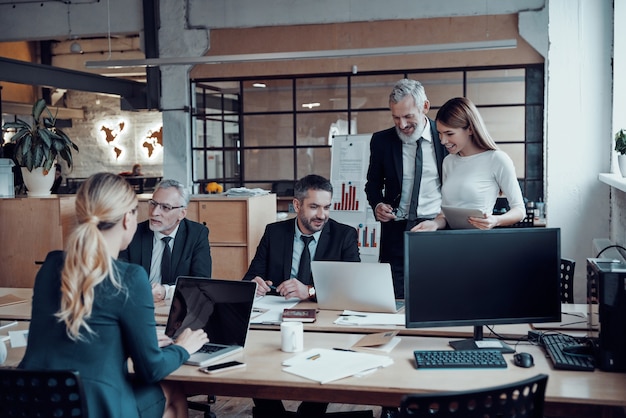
[(481, 278)]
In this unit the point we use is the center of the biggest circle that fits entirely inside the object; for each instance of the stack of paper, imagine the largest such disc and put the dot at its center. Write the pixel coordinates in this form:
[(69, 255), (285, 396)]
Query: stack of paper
[(324, 365), (368, 318), (268, 309), (381, 342), (243, 191)]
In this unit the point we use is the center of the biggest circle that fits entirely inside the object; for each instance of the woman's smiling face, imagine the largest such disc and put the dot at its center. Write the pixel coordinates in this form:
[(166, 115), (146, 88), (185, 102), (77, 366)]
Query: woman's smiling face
[(456, 140)]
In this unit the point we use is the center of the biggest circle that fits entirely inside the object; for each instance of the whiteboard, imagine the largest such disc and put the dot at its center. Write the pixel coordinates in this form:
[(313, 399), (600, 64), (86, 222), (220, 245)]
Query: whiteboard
[(348, 171)]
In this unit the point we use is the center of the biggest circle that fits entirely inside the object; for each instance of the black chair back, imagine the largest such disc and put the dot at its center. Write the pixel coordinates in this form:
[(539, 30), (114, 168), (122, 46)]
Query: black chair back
[(519, 399), (567, 280), (41, 393)]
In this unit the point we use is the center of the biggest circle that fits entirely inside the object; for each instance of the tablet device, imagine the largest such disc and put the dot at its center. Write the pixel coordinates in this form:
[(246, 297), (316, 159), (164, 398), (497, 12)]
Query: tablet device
[(457, 217)]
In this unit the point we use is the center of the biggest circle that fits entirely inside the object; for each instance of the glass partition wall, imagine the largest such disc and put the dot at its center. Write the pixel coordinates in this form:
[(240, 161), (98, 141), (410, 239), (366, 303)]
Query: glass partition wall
[(255, 132)]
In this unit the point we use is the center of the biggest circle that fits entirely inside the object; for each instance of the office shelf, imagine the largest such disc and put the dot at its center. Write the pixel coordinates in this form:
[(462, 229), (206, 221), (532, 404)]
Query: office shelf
[(613, 180)]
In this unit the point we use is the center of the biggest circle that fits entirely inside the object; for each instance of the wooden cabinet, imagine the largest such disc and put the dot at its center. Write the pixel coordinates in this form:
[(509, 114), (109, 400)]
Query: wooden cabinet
[(236, 225), (29, 229), (32, 227)]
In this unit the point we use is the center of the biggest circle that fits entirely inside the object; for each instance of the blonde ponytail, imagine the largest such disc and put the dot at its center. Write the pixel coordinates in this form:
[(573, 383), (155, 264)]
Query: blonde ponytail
[(101, 202)]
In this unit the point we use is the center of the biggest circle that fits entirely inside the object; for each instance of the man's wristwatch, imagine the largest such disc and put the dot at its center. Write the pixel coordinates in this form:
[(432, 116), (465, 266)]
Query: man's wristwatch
[(311, 292)]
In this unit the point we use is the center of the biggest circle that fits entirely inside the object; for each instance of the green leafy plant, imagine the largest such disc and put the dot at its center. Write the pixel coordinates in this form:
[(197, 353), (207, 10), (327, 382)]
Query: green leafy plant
[(39, 144), (620, 141)]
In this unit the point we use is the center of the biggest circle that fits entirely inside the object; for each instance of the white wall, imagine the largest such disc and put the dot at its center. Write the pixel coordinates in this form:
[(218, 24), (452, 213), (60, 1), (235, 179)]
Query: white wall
[(578, 126)]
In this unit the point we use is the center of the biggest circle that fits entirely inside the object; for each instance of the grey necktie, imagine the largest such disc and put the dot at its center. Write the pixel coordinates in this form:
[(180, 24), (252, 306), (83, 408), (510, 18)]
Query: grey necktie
[(416, 183), (304, 269), (166, 261)]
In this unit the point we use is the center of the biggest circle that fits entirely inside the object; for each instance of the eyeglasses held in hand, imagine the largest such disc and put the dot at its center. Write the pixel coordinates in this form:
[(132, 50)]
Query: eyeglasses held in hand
[(165, 207)]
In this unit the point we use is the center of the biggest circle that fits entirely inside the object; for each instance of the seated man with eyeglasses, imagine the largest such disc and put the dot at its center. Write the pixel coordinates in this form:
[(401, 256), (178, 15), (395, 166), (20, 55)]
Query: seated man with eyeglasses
[(168, 245)]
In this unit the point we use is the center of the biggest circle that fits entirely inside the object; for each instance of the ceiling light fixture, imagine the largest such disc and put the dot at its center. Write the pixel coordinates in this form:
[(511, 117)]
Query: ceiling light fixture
[(75, 48), (259, 85), (302, 55), (310, 105)]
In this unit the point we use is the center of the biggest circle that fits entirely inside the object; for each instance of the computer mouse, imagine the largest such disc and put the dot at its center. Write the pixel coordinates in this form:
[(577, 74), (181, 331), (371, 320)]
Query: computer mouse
[(578, 349), (523, 360)]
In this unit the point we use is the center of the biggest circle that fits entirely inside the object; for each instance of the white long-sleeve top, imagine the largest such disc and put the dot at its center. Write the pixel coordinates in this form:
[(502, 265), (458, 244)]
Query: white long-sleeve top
[(475, 181)]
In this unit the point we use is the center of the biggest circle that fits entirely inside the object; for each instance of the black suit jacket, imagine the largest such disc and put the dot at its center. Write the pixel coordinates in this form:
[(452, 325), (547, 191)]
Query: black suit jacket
[(272, 261), (384, 175), (384, 184), (191, 255)]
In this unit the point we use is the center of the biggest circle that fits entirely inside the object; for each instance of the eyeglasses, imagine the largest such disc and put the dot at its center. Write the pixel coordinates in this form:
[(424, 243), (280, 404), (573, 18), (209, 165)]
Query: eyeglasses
[(399, 213), (165, 207), (397, 210)]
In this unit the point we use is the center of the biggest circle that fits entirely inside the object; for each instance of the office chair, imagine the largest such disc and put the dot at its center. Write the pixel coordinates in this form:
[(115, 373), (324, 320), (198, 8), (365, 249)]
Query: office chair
[(567, 280), (150, 183), (518, 399), (283, 187), (41, 393)]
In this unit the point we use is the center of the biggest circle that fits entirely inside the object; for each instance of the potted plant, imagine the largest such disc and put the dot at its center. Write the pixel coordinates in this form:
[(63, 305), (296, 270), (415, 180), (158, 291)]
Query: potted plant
[(37, 148), (620, 147)]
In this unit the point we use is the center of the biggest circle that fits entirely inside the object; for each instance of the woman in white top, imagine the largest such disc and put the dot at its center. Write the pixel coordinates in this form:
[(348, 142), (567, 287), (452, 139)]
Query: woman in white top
[(475, 171)]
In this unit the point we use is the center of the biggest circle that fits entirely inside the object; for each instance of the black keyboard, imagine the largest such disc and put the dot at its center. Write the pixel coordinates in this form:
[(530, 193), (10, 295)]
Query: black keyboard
[(210, 348), (553, 345), (448, 359)]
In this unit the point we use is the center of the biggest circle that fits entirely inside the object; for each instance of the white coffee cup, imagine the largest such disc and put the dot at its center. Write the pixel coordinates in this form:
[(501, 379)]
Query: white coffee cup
[(291, 337)]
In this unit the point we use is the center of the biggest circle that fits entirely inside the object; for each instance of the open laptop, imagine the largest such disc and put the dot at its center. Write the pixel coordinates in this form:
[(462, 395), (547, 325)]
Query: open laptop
[(457, 217), (366, 287), (221, 307)]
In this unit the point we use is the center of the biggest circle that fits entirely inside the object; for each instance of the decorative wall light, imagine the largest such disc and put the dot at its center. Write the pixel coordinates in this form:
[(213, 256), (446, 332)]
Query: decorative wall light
[(111, 131), (118, 152), (153, 142)]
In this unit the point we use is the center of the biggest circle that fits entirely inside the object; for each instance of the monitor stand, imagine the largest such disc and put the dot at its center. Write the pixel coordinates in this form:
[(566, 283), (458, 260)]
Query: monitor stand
[(480, 343)]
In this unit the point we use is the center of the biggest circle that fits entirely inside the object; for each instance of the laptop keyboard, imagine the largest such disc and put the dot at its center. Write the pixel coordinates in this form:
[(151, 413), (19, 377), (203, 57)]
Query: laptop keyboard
[(209, 348)]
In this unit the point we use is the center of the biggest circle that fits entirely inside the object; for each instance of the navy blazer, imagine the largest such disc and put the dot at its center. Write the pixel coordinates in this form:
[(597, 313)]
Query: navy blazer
[(123, 324), (272, 261), (385, 168), (191, 255)]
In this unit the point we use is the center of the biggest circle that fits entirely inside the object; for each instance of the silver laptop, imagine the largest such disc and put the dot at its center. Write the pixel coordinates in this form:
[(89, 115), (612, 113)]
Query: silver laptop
[(457, 217), (221, 307), (366, 287)]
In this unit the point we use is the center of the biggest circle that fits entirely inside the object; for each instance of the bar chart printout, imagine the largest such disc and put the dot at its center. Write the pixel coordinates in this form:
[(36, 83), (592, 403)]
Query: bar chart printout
[(348, 198), (367, 236)]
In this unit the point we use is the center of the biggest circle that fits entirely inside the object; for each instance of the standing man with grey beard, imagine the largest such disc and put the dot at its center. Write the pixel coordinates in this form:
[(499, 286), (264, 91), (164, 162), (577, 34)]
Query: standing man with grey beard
[(404, 175)]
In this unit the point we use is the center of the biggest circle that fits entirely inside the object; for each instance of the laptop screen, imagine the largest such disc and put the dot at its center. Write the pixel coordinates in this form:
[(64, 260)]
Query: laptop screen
[(221, 307)]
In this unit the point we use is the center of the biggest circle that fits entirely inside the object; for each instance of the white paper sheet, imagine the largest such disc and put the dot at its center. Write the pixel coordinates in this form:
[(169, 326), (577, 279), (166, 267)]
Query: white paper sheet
[(269, 309), (324, 365), (368, 318)]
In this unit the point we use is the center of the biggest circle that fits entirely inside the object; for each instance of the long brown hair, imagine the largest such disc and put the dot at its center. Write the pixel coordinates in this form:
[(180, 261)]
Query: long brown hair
[(462, 113)]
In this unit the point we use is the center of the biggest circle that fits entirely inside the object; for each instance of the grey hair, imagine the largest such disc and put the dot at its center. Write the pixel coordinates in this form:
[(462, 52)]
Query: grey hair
[(406, 87), (182, 190)]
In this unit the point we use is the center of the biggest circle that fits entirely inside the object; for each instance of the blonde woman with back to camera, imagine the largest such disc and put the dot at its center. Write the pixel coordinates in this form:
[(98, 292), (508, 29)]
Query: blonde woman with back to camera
[(92, 312)]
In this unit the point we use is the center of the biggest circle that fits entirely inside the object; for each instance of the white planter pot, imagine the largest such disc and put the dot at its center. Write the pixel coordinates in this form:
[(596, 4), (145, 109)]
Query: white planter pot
[(37, 184)]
